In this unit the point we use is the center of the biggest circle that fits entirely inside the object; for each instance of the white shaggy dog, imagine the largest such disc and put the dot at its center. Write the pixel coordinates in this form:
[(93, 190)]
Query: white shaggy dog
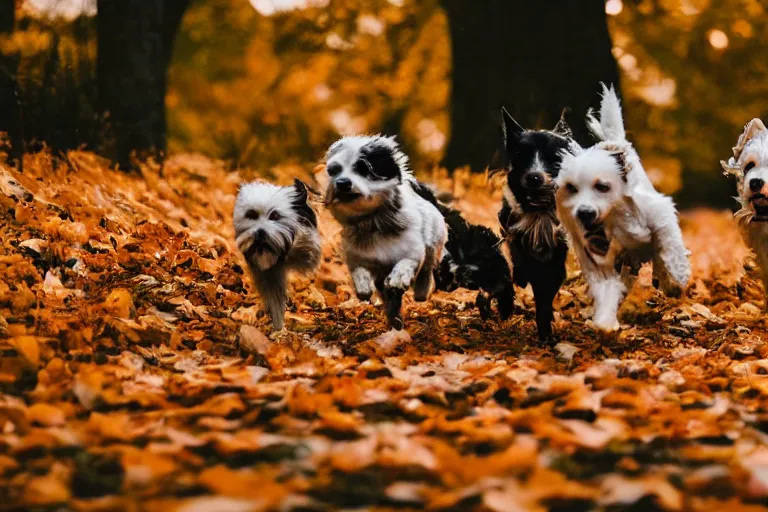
[(393, 236), (615, 218), (749, 165), (276, 230)]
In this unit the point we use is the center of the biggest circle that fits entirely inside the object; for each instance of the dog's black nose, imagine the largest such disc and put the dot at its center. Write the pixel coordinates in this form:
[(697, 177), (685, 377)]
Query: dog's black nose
[(756, 184), (343, 184), (534, 180), (587, 216), (261, 235)]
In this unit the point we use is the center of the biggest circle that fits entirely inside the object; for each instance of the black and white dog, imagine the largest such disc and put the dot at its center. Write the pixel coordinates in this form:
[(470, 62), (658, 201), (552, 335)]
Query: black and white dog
[(534, 236), (392, 238), (473, 260), (276, 230)]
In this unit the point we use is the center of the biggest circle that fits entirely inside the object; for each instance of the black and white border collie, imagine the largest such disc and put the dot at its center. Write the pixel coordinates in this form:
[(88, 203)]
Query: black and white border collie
[(537, 242)]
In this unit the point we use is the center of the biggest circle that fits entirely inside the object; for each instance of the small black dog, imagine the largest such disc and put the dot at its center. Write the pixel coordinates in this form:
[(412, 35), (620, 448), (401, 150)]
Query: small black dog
[(536, 240), (473, 260)]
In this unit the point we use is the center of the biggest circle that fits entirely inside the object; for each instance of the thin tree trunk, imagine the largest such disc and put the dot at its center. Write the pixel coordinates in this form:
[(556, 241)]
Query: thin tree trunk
[(534, 58), (10, 109), (134, 49)]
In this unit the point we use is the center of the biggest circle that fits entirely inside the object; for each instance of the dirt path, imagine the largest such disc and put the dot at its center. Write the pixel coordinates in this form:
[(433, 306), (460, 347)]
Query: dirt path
[(135, 372)]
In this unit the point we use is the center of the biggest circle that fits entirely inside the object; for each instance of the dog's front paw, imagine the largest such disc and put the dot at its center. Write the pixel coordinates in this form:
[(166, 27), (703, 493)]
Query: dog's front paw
[(399, 279), (364, 285), (606, 325)]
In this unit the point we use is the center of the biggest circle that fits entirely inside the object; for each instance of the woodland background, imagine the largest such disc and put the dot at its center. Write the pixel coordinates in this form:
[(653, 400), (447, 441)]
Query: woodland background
[(271, 82), (139, 372)]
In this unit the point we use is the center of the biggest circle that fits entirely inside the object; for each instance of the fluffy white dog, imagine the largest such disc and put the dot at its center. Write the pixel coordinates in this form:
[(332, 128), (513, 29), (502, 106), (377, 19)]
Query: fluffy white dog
[(615, 218), (749, 165)]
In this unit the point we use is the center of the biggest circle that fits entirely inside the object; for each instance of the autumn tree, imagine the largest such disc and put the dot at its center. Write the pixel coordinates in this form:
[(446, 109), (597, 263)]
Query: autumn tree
[(535, 58), (135, 38), (9, 107)]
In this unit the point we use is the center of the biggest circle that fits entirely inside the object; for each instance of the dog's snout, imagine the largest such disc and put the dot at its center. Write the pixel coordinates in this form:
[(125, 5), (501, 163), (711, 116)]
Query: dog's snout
[(343, 184), (534, 180), (261, 235), (756, 184), (587, 216)]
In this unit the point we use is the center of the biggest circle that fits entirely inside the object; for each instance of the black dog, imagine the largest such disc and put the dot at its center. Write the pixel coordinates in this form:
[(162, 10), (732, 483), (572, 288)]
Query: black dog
[(536, 240), (472, 259)]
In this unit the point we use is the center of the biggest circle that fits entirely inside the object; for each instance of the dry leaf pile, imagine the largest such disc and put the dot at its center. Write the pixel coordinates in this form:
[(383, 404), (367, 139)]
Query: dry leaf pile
[(137, 371)]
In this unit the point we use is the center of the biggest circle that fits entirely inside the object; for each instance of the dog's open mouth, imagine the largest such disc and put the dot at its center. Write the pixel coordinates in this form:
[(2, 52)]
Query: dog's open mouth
[(760, 205), (597, 240), (258, 247), (540, 202), (346, 197)]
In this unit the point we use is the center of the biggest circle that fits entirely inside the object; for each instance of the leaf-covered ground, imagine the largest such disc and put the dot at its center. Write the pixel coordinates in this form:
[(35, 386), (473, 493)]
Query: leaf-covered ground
[(137, 372)]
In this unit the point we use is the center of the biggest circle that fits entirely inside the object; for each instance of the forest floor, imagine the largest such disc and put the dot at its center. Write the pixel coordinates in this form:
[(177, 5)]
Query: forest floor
[(137, 371)]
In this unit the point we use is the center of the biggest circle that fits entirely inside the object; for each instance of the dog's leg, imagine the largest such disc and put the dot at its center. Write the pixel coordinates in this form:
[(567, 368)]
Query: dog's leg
[(607, 291), (662, 279), (505, 301), (761, 255), (393, 302), (272, 286), (402, 275), (363, 281), (483, 303), (422, 287), (668, 242)]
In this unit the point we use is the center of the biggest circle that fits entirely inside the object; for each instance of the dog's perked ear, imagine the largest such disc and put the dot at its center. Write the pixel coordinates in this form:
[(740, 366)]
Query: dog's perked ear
[(300, 205), (562, 128), (378, 162), (509, 127)]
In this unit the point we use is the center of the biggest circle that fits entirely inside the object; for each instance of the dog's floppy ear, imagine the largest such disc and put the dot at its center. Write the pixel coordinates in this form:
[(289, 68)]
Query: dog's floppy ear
[(562, 128), (732, 167), (381, 159), (301, 206), (752, 128)]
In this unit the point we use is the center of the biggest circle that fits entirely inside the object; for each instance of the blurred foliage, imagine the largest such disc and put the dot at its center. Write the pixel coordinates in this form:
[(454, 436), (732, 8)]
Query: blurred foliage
[(56, 80), (694, 73), (261, 86), (262, 89)]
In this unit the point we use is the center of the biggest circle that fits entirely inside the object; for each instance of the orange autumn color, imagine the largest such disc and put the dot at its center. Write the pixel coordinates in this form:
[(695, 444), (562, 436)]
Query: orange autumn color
[(138, 372)]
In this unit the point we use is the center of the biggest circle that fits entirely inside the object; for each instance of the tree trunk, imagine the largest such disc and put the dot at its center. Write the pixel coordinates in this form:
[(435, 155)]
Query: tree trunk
[(534, 58), (10, 110), (135, 40)]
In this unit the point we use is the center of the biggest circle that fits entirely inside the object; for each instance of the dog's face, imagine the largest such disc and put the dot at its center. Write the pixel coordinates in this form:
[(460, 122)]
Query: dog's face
[(267, 218), (361, 172), (590, 185), (532, 160), (750, 164)]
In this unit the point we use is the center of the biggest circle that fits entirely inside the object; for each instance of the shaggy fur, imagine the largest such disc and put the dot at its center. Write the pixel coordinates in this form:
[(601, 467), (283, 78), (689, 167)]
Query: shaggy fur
[(276, 230), (615, 217), (536, 241), (749, 165), (473, 260), (393, 238)]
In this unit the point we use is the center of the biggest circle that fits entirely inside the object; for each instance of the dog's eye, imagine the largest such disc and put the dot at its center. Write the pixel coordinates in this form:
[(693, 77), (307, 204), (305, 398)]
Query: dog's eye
[(571, 188), (749, 166), (252, 214), (333, 169), (274, 216), (602, 187)]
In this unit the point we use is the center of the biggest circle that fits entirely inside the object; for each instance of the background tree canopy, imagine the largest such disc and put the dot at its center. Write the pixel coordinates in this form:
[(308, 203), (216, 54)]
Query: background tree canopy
[(265, 82)]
